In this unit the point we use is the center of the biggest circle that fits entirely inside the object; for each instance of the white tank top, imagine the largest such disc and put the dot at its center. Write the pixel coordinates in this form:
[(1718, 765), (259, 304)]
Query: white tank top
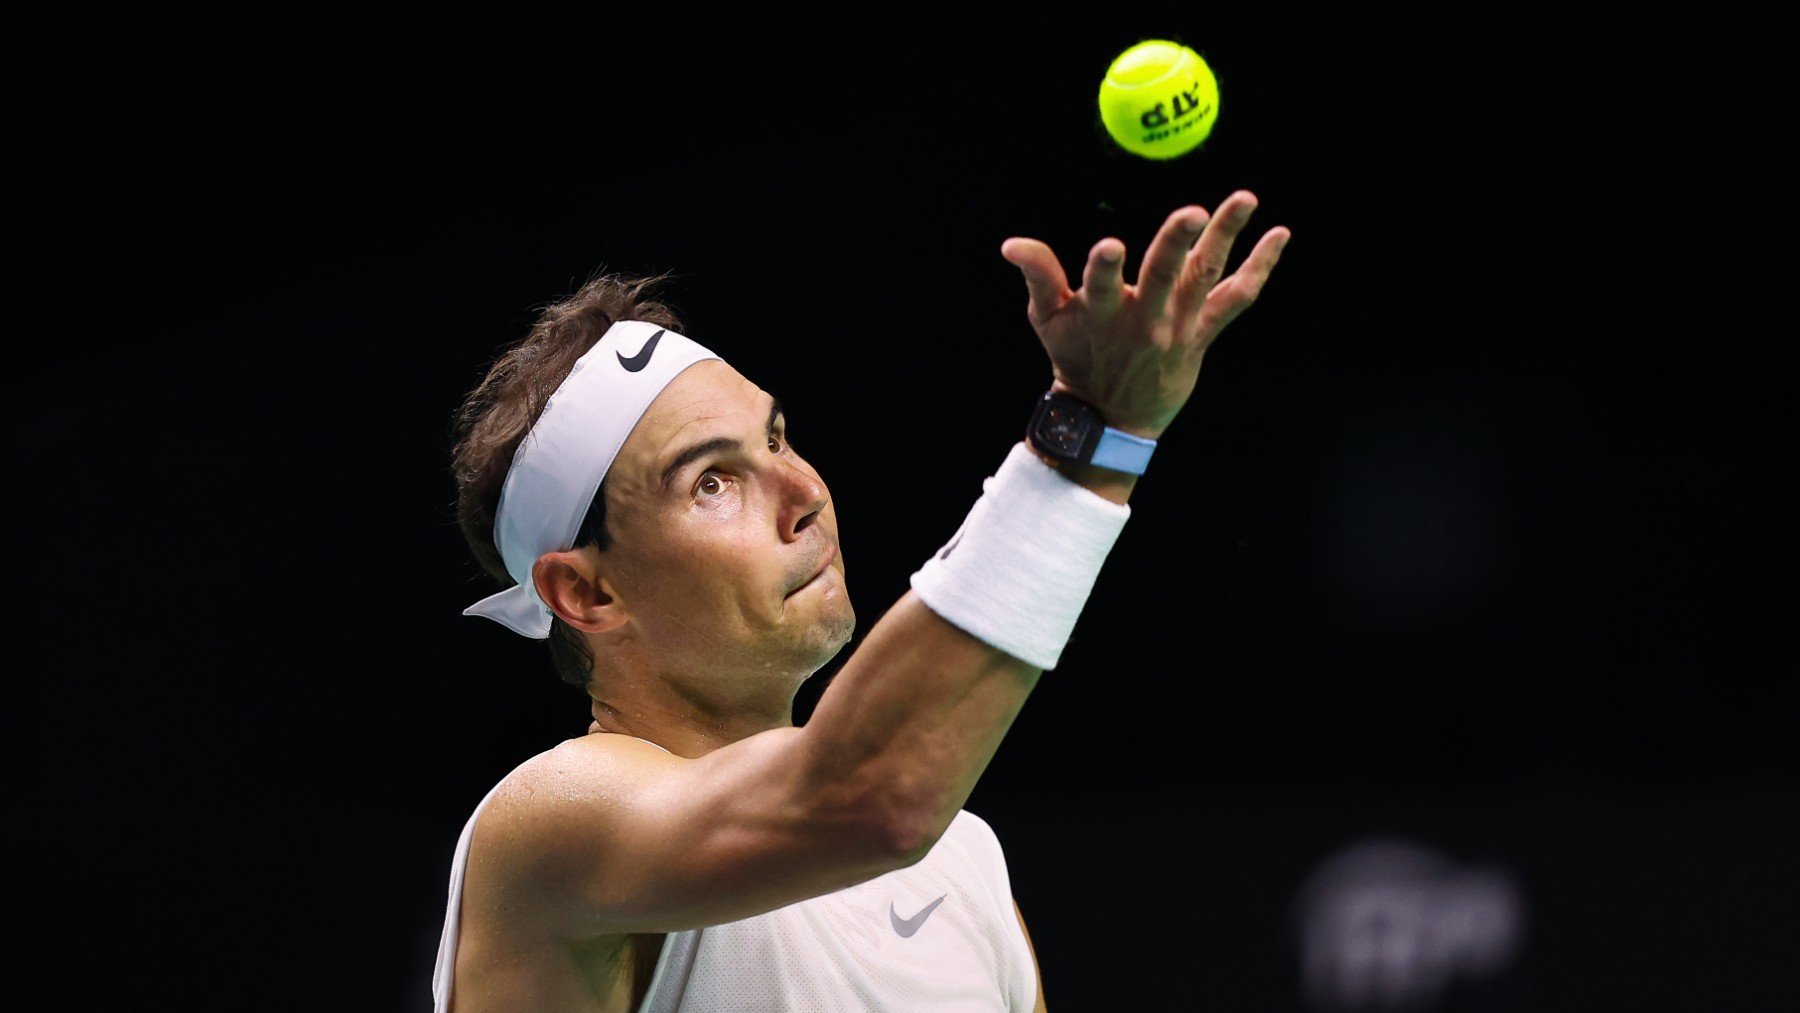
[(940, 934)]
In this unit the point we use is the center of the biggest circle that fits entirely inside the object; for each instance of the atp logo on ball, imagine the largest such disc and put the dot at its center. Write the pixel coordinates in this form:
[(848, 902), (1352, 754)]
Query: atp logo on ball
[(1159, 99), (1154, 119)]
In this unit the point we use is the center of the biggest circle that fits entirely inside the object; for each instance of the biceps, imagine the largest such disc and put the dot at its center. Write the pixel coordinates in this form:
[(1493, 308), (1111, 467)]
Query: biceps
[(677, 845)]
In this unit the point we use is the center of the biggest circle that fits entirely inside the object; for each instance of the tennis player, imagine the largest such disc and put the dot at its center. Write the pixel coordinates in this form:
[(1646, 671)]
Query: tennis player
[(695, 850)]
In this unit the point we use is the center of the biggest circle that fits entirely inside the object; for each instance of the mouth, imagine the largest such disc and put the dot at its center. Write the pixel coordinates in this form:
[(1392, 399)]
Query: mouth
[(824, 565)]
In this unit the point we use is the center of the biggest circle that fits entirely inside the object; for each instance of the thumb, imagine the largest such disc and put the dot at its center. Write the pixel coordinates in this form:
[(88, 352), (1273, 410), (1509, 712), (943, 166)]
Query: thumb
[(1044, 277)]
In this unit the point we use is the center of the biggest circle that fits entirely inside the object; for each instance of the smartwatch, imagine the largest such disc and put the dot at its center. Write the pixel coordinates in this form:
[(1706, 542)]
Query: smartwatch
[(1071, 430)]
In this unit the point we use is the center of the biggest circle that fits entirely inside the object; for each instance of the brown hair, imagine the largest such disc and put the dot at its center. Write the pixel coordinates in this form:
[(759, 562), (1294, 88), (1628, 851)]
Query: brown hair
[(501, 410)]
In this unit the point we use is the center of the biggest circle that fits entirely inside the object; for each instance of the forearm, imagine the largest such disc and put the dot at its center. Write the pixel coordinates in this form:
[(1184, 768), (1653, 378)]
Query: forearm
[(915, 715)]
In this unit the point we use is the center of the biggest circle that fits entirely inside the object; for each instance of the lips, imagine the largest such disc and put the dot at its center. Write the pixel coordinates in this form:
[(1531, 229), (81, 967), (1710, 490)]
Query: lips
[(824, 565)]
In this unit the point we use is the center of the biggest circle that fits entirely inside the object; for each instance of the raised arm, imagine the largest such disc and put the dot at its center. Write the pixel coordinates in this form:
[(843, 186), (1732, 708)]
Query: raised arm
[(920, 708), (614, 836)]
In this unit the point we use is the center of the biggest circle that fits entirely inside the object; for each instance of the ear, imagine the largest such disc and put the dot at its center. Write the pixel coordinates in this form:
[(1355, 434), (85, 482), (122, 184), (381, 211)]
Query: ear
[(572, 585)]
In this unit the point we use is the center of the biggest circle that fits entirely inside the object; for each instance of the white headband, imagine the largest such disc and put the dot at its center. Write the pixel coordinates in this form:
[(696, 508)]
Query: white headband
[(557, 469)]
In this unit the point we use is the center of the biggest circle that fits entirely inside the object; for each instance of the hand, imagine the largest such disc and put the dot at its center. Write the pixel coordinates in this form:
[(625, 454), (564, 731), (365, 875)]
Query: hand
[(1134, 351)]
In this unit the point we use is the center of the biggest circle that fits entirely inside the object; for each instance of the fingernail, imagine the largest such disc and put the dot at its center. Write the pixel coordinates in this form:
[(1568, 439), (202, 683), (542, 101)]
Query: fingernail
[(1193, 225)]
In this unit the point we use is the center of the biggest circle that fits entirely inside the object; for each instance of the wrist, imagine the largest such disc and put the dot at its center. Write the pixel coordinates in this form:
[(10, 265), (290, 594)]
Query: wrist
[(1017, 572), (1140, 428), (1115, 486), (1072, 438)]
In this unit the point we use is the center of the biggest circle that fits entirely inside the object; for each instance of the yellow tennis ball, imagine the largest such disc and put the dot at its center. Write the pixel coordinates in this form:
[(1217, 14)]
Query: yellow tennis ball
[(1159, 99)]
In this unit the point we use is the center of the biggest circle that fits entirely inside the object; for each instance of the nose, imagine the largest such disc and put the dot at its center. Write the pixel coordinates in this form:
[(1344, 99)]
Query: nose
[(805, 498)]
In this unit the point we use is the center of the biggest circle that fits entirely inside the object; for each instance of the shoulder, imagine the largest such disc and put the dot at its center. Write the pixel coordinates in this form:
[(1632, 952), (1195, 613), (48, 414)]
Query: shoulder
[(573, 774), (557, 802), (576, 761)]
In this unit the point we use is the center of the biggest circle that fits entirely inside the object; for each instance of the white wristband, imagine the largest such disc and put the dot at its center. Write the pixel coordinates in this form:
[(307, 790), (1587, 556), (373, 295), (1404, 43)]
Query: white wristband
[(1019, 570)]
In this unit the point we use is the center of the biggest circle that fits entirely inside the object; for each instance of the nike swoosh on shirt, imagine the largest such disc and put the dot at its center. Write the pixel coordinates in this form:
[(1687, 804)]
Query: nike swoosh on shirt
[(642, 358), (907, 926), (946, 553)]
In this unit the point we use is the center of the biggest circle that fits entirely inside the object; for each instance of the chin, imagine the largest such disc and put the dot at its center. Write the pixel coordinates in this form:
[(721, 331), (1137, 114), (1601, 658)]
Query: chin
[(841, 622), (835, 629)]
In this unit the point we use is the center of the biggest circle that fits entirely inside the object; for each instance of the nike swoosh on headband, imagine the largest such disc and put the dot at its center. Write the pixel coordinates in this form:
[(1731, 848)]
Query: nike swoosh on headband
[(642, 358), (907, 926)]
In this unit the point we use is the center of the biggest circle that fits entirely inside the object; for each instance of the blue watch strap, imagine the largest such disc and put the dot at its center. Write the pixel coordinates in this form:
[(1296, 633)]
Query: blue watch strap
[(1121, 451)]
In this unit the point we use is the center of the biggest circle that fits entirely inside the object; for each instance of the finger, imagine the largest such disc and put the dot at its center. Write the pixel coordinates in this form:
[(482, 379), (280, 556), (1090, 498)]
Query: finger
[(1235, 294), (1205, 263), (1044, 277), (1163, 260), (1104, 280)]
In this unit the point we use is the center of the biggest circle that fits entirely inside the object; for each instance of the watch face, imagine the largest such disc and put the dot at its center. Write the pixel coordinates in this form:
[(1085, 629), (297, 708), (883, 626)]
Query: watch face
[(1063, 428)]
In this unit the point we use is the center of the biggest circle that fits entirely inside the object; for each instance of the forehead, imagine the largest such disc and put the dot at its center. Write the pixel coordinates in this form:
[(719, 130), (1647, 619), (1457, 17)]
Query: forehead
[(709, 398)]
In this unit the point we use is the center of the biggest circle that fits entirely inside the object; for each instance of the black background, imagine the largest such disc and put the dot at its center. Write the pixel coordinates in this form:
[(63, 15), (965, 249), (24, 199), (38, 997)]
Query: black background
[(1469, 534)]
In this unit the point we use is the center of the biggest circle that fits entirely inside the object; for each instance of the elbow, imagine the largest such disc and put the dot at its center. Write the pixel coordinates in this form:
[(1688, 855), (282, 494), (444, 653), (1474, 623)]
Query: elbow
[(900, 816), (905, 841), (907, 830)]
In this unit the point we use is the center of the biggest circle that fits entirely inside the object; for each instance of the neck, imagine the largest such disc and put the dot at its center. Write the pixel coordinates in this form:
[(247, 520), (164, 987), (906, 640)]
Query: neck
[(683, 720)]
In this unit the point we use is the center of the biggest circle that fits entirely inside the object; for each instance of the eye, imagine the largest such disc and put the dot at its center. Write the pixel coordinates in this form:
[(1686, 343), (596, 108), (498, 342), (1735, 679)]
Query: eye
[(714, 478)]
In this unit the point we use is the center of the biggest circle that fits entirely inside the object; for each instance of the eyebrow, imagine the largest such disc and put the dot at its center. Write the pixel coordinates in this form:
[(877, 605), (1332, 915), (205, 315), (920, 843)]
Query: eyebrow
[(714, 445)]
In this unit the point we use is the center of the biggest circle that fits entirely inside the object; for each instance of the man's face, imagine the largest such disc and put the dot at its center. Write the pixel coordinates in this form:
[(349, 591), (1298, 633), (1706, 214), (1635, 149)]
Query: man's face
[(715, 553)]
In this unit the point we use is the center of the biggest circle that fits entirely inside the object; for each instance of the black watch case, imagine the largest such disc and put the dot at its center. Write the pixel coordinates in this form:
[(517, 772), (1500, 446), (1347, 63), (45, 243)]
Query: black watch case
[(1065, 427)]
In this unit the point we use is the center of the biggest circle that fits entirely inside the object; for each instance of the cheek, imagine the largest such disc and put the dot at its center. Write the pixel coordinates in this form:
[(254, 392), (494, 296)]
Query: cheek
[(724, 577)]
